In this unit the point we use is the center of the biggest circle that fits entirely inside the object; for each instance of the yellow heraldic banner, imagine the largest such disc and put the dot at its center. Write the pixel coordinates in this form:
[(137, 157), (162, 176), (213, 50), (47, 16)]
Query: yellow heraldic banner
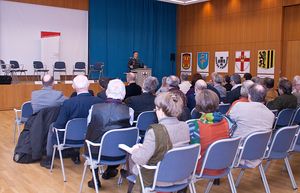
[(266, 62), (186, 62)]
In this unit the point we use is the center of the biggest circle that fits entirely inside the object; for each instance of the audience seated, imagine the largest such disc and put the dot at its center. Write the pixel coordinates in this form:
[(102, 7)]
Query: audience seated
[(227, 84), (217, 83), (145, 101), (76, 107), (285, 99), (252, 116), (168, 134), (244, 93), (112, 114), (185, 84), (296, 88), (103, 82), (164, 86), (211, 126), (235, 92), (47, 96), (173, 85), (74, 94), (199, 86), (132, 89), (247, 76), (257, 80), (271, 92)]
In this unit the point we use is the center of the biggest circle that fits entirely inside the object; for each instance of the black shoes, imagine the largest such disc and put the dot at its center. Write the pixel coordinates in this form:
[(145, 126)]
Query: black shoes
[(92, 185), (46, 162), (124, 173), (217, 182), (110, 173), (76, 159)]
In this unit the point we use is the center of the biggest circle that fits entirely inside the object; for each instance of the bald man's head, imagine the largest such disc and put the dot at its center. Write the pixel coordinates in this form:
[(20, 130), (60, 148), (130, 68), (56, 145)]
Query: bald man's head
[(131, 77), (47, 80), (257, 93)]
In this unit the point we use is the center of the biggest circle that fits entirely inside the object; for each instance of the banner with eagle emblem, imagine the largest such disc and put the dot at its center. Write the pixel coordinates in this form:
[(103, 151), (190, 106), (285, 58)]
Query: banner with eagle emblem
[(266, 62), (242, 62), (221, 61), (186, 62), (203, 62)]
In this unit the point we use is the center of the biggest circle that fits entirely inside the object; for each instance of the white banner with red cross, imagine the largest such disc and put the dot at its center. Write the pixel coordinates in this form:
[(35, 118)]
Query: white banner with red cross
[(242, 62)]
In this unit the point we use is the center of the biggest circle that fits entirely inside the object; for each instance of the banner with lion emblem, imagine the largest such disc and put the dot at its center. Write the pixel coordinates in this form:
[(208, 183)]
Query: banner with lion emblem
[(266, 62)]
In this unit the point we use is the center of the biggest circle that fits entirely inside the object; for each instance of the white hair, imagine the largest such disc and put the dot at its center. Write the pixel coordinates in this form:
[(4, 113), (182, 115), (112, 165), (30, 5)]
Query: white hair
[(296, 79), (80, 82), (245, 88), (200, 85), (116, 89)]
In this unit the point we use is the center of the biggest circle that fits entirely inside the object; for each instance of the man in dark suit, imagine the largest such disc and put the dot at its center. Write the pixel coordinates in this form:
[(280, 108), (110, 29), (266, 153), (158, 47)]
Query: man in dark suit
[(76, 107), (145, 101), (132, 89), (103, 82), (47, 96), (235, 92)]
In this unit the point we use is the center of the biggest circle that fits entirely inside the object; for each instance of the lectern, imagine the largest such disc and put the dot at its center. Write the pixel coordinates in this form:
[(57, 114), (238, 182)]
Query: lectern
[(142, 74)]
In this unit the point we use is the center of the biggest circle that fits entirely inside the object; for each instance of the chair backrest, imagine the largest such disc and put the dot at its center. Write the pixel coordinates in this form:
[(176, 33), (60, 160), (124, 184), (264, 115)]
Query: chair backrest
[(178, 164), (255, 145), (60, 65), (75, 132), (145, 119), (296, 118), (223, 108), (26, 110), (282, 141), (80, 65), (284, 118), (111, 140), (220, 154), (275, 112), (98, 66), (14, 64), (38, 65), (195, 114)]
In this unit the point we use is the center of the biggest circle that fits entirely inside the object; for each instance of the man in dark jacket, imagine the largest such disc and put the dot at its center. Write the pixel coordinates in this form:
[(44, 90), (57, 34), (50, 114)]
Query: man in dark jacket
[(285, 99), (112, 114), (132, 89), (103, 82), (145, 101), (76, 107), (235, 92)]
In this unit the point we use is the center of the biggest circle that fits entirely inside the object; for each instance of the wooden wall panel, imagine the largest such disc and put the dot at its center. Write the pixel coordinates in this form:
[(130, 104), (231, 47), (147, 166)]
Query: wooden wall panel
[(221, 25), (291, 41), (291, 2), (72, 4)]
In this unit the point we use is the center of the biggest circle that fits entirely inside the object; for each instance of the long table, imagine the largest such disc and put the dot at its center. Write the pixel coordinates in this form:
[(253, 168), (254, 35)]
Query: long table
[(14, 95)]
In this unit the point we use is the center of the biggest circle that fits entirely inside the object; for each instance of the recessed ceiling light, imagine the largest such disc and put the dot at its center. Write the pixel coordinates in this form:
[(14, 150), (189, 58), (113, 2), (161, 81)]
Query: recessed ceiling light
[(184, 2)]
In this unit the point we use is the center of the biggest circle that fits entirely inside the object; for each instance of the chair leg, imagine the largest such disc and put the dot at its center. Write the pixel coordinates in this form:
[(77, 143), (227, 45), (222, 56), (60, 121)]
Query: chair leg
[(231, 182), (238, 180), (191, 188), (209, 185), (15, 129), (95, 180), (62, 165), (290, 172), (53, 156), (264, 178), (83, 176), (101, 169), (120, 180), (267, 165)]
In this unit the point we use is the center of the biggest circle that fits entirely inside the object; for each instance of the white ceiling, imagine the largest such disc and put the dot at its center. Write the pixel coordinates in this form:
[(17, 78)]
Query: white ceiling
[(184, 2)]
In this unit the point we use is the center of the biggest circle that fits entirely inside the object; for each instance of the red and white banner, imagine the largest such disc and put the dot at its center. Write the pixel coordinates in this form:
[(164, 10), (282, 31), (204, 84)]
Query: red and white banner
[(50, 49), (242, 62)]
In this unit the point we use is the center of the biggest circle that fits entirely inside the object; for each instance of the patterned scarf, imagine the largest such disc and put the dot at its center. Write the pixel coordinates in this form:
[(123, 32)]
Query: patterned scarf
[(210, 118)]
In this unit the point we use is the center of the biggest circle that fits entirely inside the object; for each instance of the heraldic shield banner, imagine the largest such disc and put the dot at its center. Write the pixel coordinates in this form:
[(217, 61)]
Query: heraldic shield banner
[(242, 62), (186, 62), (203, 62), (221, 61), (266, 62)]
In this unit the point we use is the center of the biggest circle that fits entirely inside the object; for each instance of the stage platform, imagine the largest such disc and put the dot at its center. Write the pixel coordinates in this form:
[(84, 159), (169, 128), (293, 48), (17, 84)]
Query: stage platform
[(14, 95)]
